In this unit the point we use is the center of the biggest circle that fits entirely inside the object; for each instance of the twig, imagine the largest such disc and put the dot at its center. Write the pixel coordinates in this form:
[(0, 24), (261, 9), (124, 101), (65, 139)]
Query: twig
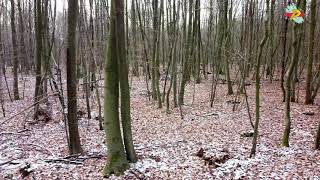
[(9, 162), (71, 156), (63, 161), (98, 156), (210, 114), (14, 133), (74, 159), (6, 162)]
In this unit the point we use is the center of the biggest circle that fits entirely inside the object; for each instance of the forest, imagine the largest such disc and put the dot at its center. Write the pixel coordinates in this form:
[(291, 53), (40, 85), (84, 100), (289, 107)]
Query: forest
[(159, 89)]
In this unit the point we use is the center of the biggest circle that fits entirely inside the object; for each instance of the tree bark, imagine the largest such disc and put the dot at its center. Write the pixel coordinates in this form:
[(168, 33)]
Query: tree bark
[(317, 141), (313, 23), (1, 73), (116, 162), (154, 47), (188, 56), (227, 45), (39, 47), (74, 146), (260, 49), (23, 58), (289, 78), (15, 53), (124, 85)]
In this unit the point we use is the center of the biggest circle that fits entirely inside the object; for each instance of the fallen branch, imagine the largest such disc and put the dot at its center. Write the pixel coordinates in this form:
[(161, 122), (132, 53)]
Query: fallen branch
[(14, 133), (99, 156), (25, 109), (210, 114), (309, 113), (63, 161), (74, 159), (8, 162)]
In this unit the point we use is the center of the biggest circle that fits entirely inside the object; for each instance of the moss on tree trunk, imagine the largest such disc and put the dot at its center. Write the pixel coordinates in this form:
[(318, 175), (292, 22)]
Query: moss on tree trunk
[(116, 162)]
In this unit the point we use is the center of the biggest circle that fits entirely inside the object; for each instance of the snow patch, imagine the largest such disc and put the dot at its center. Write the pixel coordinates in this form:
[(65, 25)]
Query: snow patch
[(145, 164)]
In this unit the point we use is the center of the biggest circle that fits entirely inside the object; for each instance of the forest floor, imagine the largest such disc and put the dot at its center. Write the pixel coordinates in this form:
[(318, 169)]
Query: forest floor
[(166, 144)]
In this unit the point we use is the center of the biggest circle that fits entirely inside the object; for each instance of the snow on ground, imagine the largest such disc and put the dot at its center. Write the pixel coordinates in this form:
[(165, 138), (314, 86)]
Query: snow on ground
[(166, 144)]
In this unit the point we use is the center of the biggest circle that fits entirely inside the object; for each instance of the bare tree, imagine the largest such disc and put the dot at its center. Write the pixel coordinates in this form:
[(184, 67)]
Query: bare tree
[(15, 52), (74, 145)]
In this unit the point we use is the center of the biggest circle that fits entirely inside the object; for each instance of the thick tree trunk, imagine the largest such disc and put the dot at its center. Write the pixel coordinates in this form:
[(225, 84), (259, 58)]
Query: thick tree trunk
[(74, 146), (124, 85), (116, 163)]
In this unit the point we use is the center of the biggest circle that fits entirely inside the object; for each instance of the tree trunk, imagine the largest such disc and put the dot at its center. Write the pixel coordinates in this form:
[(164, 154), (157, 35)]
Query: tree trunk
[(15, 52), (75, 146), (1, 73), (135, 68), (154, 47), (95, 84), (124, 85), (308, 97), (227, 45), (39, 47), (198, 36), (157, 56), (116, 163), (24, 58), (289, 78), (271, 63), (260, 49), (143, 38), (317, 141), (188, 56), (220, 36), (284, 59)]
